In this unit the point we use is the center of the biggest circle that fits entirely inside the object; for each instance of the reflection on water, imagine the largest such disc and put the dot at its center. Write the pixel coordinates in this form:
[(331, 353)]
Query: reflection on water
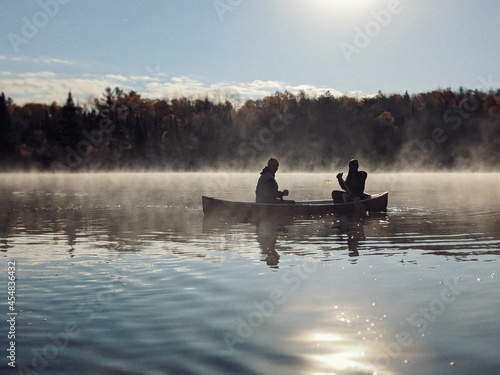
[(333, 353), (152, 287), (282, 234), (267, 235)]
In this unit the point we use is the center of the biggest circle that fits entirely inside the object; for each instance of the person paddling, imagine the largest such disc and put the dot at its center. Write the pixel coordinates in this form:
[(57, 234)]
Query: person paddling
[(354, 185), (267, 187)]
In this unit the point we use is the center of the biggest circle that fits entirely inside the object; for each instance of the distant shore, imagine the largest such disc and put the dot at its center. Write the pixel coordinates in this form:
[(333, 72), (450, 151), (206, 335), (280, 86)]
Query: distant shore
[(440, 130)]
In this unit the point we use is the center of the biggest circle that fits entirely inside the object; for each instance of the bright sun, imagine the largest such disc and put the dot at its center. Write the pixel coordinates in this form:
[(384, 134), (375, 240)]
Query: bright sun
[(341, 14), (346, 6)]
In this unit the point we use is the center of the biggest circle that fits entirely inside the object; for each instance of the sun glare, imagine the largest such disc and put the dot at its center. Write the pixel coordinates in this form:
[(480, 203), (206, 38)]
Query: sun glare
[(344, 8), (339, 12), (345, 5), (333, 353)]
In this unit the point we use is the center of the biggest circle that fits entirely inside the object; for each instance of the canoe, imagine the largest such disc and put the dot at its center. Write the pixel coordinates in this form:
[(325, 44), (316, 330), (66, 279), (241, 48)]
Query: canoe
[(250, 210)]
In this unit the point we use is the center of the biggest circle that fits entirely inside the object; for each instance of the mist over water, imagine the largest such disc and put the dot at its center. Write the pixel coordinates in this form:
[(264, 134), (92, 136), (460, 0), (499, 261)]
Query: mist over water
[(150, 287)]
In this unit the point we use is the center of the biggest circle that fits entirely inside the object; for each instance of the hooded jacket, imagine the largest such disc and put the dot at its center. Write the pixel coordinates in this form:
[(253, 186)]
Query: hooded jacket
[(267, 187)]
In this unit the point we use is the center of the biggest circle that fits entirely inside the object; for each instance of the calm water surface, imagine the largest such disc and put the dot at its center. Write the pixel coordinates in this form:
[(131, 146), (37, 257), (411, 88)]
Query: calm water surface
[(120, 274)]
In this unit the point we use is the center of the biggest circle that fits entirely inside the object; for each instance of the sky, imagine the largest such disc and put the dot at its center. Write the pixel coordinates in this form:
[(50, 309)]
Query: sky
[(245, 49)]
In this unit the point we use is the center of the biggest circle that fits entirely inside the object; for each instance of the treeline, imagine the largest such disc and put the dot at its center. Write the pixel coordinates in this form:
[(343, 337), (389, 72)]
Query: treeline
[(441, 129)]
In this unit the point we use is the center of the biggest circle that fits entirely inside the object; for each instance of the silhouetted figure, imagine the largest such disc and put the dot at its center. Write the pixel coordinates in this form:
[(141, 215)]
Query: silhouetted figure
[(354, 184), (267, 187)]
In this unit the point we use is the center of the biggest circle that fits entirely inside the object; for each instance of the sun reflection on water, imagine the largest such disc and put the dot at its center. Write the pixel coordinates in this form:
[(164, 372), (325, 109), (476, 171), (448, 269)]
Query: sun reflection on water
[(334, 354)]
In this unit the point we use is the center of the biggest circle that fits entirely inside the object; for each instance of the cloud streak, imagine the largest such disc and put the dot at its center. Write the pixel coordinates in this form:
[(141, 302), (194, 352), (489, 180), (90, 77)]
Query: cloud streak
[(48, 86), (36, 60), (39, 82)]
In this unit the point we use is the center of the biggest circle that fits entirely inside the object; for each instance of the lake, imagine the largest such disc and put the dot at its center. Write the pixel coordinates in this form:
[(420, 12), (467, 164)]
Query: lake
[(120, 274)]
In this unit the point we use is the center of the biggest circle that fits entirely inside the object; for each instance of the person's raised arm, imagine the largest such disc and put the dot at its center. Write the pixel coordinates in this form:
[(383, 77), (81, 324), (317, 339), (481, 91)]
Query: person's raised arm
[(342, 182)]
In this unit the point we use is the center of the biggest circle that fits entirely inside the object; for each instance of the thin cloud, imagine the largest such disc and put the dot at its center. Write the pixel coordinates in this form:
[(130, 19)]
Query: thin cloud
[(36, 88), (13, 58), (314, 90), (47, 87), (37, 75), (50, 60), (185, 80), (258, 84), (37, 60), (116, 77), (143, 78)]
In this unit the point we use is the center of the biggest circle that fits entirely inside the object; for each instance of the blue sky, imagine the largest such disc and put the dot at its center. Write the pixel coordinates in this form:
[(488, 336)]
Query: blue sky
[(246, 48)]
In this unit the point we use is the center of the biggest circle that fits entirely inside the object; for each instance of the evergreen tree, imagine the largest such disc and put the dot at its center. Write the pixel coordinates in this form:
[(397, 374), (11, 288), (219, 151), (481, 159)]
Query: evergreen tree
[(71, 128), (7, 136)]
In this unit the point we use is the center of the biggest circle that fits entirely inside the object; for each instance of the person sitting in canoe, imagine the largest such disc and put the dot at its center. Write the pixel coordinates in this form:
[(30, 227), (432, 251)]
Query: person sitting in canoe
[(354, 185), (267, 187)]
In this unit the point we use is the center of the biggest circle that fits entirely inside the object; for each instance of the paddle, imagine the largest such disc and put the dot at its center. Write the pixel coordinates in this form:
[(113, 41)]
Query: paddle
[(360, 209)]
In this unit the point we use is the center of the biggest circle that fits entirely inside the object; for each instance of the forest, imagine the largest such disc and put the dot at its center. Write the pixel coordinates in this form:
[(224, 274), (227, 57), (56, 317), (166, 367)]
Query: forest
[(438, 130)]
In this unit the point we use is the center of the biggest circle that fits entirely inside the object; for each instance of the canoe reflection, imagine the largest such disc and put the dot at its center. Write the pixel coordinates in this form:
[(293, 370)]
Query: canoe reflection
[(333, 235)]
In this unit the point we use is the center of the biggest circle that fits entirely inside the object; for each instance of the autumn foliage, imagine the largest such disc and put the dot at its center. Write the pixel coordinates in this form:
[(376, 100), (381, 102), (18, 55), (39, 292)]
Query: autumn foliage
[(441, 129)]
